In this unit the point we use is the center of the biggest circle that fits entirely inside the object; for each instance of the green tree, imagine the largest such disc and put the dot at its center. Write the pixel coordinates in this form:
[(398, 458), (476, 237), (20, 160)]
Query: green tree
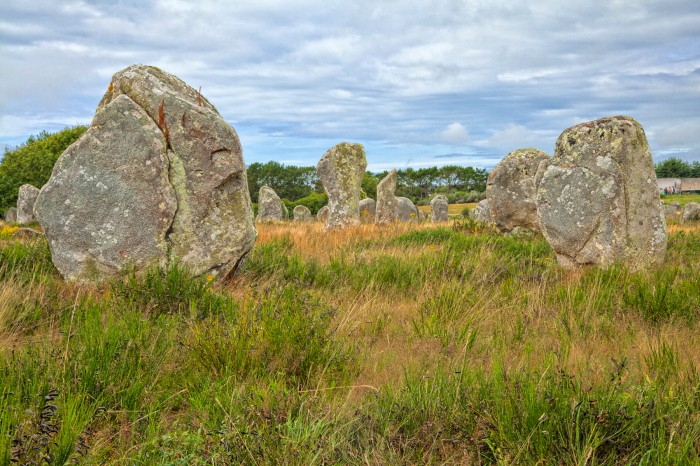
[(674, 168), (33, 161), (288, 181)]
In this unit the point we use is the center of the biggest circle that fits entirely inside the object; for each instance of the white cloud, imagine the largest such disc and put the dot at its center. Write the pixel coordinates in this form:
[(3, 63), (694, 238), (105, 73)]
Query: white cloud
[(455, 134)]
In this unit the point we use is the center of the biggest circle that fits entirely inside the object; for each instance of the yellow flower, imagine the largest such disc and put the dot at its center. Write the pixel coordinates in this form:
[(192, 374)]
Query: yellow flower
[(8, 231), (210, 278)]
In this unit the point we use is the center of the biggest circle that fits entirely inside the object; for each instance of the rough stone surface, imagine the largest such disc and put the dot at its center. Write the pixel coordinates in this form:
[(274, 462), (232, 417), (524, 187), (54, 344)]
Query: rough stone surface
[(387, 202), (408, 212), (368, 210), (670, 210), (598, 202), (691, 212), (301, 213), (422, 216), (158, 178), (11, 215), (482, 212), (25, 204), (270, 206), (511, 189), (341, 170), (322, 214), (438, 209)]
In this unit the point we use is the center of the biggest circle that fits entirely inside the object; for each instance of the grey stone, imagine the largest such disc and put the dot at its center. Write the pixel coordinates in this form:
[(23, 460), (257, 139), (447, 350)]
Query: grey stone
[(422, 216), (301, 213), (598, 202), (368, 210), (158, 178), (438, 209), (511, 189), (341, 170), (25, 204), (670, 210), (322, 214), (482, 212), (270, 206), (387, 202), (407, 210), (691, 212), (11, 215)]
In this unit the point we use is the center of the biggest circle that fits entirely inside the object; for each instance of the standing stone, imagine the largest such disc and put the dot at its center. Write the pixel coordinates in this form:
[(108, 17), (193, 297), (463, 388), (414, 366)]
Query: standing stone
[(407, 210), (25, 204), (482, 212), (598, 202), (301, 213), (387, 202), (322, 214), (270, 206), (368, 210), (341, 170), (670, 210), (512, 192), (438, 209), (11, 215), (422, 216), (158, 178), (691, 212)]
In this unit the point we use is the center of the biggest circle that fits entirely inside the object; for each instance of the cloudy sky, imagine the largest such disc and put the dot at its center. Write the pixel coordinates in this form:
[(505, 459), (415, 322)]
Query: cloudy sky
[(419, 83)]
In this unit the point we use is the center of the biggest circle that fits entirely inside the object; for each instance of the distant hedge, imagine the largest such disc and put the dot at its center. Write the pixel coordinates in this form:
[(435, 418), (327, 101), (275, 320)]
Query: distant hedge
[(32, 162)]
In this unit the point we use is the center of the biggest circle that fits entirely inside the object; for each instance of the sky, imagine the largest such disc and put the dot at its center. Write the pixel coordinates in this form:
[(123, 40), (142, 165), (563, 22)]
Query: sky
[(418, 83)]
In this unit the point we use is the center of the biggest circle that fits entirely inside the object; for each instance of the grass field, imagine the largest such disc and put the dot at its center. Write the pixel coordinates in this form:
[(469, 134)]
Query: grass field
[(452, 209), (411, 344), (682, 199)]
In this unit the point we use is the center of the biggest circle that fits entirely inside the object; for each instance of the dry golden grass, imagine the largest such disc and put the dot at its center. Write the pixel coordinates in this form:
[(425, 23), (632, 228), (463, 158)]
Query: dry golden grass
[(523, 331), (452, 209)]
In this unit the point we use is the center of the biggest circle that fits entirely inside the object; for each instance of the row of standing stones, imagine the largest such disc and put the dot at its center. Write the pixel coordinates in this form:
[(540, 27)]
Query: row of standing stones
[(158, 178), (596, 201)]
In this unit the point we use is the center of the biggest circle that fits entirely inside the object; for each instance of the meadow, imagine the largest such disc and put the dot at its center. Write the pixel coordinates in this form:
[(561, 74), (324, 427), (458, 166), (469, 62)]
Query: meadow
[(411, 344)]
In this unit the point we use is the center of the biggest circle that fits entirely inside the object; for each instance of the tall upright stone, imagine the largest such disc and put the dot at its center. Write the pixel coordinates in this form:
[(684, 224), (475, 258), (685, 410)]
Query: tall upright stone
[(439, 209), (270, 206), (387, 202), (512, 189), (368, 210), (341, 170), (301, 213), (158, 178), (691, 212), (598, 202), (25, 204)]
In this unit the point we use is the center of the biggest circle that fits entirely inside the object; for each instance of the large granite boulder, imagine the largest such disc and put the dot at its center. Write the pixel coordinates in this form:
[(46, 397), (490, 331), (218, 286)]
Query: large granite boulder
[(11, 215), (301, 213), (25, 204), (439, 209), (270, 206), (482, 212), (408, 212), (691, 212), (322, 214), (341, 170), (368, 210), (511, 189), (158, 178), (598, 202), (387, 203)]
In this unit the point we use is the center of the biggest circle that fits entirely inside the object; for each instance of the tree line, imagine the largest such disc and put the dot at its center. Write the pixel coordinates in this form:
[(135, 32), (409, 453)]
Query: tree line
[(33, 161)]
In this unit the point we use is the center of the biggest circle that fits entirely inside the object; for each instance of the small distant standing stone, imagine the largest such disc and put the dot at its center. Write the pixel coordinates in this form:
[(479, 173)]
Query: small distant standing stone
[(25, 204), (301, 213), (368, 210), (438, 209), (387, 203), (322, 214), (270, 206), (11, 215), (407, 210), (691, 212), (482, 212), (341, 170)]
